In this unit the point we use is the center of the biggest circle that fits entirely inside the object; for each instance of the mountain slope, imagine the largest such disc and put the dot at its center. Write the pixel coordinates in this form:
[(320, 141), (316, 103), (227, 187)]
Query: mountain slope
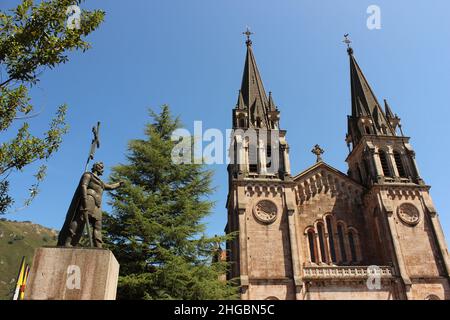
[(18, 239)]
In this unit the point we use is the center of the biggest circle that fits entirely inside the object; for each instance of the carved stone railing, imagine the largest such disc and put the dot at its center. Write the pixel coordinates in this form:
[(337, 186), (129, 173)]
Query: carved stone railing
[(345, 272)]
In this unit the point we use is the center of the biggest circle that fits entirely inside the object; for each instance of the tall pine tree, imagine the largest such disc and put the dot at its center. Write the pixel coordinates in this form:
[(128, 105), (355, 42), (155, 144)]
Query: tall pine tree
[(156, 230)]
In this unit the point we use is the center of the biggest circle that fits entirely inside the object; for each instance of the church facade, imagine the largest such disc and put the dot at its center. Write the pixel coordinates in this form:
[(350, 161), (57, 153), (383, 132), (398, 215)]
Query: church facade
[(372, 233)]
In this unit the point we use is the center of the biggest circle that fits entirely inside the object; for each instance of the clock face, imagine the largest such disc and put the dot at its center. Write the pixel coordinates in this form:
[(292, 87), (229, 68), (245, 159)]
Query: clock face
[(408, 213), (265, 211)]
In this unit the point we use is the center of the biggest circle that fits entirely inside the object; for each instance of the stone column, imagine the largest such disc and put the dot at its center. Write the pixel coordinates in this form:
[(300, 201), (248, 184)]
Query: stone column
[(240, 155), (262, 157), (393, 164), (397, 251), (291, 210), (317, 247), (437, 228), (246, 164), (441, 241), (287, 163), (412, 154), (60, 273), (243, 254), (377, 161)]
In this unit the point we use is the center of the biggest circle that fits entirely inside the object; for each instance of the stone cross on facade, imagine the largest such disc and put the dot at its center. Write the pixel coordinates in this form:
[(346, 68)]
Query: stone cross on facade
[(318, 151)]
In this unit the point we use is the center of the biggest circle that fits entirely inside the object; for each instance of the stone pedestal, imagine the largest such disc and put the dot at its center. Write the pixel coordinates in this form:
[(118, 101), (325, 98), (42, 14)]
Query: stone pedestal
[(61, 273)]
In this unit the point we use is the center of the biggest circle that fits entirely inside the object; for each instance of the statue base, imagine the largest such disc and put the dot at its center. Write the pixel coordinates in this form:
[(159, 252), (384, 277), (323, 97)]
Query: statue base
[(60, 273)]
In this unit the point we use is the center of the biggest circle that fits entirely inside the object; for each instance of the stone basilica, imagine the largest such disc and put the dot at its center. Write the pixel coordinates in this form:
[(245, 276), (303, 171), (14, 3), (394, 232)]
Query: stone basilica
[(372, 233)]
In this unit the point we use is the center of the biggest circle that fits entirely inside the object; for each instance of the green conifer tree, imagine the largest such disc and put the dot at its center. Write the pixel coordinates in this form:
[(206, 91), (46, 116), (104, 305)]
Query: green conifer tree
[(156, 228)]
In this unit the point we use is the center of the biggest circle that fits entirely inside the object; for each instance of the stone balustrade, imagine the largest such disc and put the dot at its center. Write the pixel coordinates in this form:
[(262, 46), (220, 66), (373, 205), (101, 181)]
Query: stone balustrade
[(345, 272)]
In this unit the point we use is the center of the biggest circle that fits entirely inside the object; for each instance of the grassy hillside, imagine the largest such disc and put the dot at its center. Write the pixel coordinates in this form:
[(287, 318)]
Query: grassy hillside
[(18, 239)]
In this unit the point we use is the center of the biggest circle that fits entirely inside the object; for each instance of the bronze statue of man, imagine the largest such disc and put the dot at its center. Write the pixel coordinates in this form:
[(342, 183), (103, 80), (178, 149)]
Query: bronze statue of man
[(86, 205)]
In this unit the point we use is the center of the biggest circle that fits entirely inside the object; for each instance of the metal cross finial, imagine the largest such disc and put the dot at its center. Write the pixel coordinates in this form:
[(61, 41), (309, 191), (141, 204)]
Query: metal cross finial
[(248, 33), (318, 151), (347, 41)]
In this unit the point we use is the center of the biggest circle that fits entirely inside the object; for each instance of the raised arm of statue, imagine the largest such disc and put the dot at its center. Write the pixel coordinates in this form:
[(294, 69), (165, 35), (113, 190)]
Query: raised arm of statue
[(113, 186)]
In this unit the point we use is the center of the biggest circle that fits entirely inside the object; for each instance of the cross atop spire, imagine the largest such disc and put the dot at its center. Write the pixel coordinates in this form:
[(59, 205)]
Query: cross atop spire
[(248, 33), (347, 41), (261, 111)]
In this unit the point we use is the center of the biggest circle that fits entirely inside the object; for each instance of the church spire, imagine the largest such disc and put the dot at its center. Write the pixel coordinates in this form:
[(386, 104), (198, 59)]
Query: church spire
[(367, 115), (254, 96)]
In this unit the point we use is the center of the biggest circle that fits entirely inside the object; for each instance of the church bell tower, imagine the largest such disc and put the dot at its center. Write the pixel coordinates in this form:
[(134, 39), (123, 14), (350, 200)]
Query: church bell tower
[(261, 199), (398, 207)]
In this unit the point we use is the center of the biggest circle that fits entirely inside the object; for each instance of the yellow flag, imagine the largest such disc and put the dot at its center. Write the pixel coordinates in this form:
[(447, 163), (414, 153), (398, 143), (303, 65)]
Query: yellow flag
[(19, 280), (24, 282)]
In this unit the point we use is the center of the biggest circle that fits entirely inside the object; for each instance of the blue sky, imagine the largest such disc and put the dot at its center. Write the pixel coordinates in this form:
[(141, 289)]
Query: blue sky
[(190, 55)]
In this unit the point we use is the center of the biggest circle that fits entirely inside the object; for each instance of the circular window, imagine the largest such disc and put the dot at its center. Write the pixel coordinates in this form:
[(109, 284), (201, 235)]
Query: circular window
[(265, 211), (408, 213)]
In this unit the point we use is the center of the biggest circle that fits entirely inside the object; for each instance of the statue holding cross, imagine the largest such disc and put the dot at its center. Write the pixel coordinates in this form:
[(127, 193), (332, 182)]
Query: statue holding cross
[(85, 208)]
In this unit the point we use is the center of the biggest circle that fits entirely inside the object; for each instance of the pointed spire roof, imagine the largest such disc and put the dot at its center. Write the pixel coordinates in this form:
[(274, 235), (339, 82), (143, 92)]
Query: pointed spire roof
[(387, 110), (364, 101), (252, 89), (362, 94), (240, 103), (272, 105), (393, 119)]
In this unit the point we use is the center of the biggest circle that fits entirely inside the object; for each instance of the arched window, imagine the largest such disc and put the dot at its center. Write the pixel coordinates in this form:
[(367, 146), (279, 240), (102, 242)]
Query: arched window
[(323, 252), (367, 128), (312, 246), (352, 243), (384, 163), (331, 238), (399, 164), (241, 122), (340, 230)]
